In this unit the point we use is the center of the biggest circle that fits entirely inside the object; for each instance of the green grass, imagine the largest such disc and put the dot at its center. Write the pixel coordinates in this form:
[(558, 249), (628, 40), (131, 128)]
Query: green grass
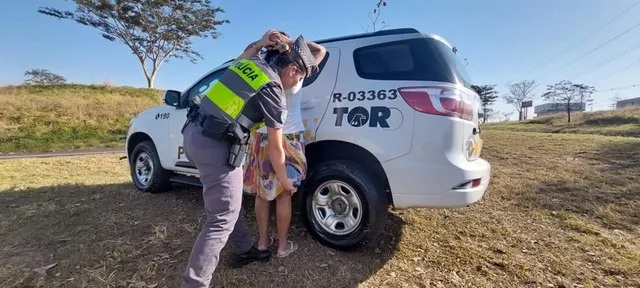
[(67, 117), (624, 122)]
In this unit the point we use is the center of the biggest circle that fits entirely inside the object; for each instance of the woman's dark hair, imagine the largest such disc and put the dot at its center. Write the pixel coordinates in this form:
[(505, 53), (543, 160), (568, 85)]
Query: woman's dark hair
[(281, 59)]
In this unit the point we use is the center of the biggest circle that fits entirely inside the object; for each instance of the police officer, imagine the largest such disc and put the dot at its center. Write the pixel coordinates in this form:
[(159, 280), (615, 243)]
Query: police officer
[(251, 93)]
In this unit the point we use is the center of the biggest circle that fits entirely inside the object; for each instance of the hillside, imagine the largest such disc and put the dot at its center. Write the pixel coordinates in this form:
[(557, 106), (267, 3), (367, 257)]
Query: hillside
[(624, 122), (65, 117)]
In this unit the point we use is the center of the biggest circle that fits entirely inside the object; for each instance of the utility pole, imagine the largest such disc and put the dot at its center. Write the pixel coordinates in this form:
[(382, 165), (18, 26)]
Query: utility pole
[(615, 100)]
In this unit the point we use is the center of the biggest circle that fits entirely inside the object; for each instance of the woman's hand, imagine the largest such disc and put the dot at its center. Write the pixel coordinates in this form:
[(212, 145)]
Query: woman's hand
[(285, 39), (288, 187), (269, 38)]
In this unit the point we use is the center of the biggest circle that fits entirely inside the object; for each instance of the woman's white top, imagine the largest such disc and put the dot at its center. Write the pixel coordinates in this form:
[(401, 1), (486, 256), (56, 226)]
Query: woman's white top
[(293, 122)]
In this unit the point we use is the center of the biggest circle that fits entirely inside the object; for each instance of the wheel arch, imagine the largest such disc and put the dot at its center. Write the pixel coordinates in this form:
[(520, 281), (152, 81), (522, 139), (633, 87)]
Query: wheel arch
[(326, 150), (160, 176), (136, 138)]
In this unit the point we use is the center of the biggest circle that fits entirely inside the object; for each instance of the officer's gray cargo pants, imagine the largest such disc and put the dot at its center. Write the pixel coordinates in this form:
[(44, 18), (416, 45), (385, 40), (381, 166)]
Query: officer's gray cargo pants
[(222, 193)]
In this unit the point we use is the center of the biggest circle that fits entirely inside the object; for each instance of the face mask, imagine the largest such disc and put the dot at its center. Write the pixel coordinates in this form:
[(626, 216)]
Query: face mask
[(294, 89)]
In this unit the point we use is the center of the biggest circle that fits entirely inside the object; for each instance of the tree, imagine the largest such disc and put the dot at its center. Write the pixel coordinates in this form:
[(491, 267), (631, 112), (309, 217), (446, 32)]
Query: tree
[(507, 115), (154, 30), (568, 93), (43, 77), (376, 14), (614, 101), (584, 93), (488, 96), (520, 92)]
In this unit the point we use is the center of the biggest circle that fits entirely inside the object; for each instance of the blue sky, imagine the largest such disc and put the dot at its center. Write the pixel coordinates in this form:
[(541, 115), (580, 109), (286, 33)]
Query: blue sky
[(503, 40)]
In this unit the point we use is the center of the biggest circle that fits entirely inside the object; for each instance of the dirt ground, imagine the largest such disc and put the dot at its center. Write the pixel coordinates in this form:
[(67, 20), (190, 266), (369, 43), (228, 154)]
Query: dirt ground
[(561, 211)]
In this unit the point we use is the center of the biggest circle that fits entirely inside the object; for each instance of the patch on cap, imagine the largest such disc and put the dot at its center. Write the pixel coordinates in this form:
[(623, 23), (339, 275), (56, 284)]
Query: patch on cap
[(302, 50)]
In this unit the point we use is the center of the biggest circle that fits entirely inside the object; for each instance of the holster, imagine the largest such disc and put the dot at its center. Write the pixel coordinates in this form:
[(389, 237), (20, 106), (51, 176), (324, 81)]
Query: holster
[(220, 129), (240, 141), (192, 114), (232, 133)]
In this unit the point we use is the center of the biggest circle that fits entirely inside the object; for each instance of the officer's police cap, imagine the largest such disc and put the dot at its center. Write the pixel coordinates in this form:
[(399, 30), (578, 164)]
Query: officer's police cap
[(302, 50)]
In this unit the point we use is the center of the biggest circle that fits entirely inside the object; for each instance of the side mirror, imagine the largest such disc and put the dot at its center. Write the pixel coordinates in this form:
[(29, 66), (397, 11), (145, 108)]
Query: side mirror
[(172, 97)]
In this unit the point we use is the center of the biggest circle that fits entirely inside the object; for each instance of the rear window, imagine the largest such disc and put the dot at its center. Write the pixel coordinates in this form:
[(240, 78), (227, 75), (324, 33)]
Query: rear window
[(422, 59), (453, 62)]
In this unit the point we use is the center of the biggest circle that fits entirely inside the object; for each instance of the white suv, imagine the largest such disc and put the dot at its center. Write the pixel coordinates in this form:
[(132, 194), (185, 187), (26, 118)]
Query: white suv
[(391, 119)]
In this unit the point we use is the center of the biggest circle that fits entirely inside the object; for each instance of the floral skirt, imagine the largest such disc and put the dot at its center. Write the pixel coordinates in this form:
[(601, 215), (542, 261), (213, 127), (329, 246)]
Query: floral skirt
[(259, 176)]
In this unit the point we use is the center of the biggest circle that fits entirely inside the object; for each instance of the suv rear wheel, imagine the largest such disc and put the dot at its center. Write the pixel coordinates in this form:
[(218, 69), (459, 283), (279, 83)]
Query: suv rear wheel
[(146, 171), (344, 205)]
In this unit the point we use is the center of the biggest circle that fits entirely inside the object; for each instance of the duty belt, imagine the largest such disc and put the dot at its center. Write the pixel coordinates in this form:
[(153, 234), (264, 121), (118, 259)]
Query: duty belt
[(200, 118), (236, 132)]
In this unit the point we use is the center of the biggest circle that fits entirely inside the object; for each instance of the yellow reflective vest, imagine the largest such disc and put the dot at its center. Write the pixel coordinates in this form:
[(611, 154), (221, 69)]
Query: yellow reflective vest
[(227, 97)]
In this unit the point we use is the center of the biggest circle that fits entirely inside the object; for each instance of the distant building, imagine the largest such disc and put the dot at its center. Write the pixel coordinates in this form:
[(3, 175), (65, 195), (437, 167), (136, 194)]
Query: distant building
[(628, 102), (554, 108)]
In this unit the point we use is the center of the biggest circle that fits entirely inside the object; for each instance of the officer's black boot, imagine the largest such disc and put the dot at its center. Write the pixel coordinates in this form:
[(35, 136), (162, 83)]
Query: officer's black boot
[(239, 260)]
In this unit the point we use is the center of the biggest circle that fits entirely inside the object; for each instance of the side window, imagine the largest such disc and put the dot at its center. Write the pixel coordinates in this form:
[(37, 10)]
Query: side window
[(308, 81), (412, 59), (203, 85), (380, 62)]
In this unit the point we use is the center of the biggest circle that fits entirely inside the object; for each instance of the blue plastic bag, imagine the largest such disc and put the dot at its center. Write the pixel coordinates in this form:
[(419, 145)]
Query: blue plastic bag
[(293, 174)]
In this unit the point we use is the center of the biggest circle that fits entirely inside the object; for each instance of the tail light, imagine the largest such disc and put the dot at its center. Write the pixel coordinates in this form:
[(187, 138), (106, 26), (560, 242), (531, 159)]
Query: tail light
[(439, 100)]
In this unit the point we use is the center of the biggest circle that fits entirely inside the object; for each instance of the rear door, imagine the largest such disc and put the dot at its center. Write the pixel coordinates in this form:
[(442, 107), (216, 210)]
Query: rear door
[(366, 107), (393, 89)]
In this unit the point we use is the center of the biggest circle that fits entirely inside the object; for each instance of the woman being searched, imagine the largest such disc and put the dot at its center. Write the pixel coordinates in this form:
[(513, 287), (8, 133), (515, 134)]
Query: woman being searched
[(260, 178)]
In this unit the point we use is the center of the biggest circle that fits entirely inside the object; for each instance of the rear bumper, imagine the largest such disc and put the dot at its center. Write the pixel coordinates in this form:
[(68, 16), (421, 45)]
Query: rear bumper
[(432, 186), (453, 198)]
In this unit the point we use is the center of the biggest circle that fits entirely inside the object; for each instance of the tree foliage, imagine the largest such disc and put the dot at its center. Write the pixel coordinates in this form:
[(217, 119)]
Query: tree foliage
[(569, 93), (154, 30), (43, 77), (375, 16), (520, 92), (488, 96), (584, 93)]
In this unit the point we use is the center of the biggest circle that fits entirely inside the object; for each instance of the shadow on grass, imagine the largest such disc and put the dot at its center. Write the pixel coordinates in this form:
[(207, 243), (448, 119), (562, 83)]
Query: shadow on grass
[(612, 120), (114, 235), (543, 120), (611, 201)]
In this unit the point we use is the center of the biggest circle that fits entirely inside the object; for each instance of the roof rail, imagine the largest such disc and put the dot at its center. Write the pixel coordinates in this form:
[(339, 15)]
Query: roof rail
[(361, 35), (369, 34)]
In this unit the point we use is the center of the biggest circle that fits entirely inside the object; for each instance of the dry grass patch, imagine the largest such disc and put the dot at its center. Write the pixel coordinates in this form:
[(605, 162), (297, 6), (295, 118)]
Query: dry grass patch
[(66, 117), (562, 211), (622, 122)]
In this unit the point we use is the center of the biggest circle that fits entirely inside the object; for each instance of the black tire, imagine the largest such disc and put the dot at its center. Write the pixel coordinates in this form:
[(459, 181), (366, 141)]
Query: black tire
[(158, 177), (370, 192)]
